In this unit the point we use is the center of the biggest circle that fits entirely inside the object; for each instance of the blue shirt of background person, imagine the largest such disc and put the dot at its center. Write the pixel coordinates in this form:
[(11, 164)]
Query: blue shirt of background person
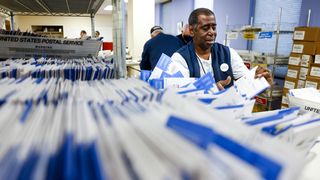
[(158, 44)]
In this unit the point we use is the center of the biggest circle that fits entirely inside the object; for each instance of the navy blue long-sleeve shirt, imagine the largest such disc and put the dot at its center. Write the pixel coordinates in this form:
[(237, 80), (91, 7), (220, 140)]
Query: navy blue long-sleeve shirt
[(153, 48), (185, 40)]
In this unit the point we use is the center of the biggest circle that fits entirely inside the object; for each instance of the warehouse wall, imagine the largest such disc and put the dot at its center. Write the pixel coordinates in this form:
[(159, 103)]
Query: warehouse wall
[(266, 16), (157, 11), (204, 4), (179, 10), (238, 15), (173, 12), (314, 5), (103, 23), (139, 23), (71, 25)]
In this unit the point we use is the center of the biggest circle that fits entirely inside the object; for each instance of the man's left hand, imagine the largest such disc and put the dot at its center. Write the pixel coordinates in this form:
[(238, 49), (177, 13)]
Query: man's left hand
[(221, 84), (264, 72)]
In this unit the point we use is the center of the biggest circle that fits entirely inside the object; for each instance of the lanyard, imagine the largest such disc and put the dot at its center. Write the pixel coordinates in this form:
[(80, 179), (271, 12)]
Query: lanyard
[(201, 64)]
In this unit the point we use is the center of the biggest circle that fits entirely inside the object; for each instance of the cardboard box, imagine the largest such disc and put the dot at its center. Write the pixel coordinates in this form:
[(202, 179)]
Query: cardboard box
[(301, 84), (303, 60), (295, 59), (303, 73), (317, 57), (315, 70), (293, 71), (285, 91), (313, 82), (290, 83), (303, 47), (306, 33), (306, 60), (284, 106), (253, 64), (276, 91), (285, 99)]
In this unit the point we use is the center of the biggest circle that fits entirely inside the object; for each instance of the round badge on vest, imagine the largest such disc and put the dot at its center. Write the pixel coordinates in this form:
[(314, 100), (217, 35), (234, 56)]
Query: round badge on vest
[(224, 67)]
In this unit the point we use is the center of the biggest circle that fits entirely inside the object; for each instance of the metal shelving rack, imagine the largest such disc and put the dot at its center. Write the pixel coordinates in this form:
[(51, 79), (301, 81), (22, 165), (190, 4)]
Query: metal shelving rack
[(275, 56), (276, 30)]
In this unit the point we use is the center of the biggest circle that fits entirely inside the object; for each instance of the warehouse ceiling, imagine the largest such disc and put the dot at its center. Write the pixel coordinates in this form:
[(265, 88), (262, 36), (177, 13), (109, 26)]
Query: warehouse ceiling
[(51, 7)]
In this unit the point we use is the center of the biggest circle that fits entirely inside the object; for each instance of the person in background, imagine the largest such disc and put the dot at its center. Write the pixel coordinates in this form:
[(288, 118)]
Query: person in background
[(185, 35), (204, 55), (97, 36), (158, 44), (83, 35)]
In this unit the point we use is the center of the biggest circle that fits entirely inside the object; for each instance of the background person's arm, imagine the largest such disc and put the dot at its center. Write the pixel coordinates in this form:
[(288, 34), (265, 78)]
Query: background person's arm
[(145, 63)]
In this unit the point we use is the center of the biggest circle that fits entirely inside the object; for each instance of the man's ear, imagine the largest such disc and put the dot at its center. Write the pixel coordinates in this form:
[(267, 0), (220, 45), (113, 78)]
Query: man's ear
[(191, 30)]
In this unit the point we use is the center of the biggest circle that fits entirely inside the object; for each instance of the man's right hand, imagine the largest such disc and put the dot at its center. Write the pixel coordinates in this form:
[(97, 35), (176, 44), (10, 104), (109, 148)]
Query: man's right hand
[(221, 84)]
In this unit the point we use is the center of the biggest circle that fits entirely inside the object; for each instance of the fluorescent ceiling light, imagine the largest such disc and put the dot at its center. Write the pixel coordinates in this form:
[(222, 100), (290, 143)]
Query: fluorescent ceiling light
[(126, 1), (108, 8)]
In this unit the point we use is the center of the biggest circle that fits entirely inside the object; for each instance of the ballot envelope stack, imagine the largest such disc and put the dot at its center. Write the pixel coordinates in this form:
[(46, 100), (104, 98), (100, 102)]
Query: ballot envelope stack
[(291, 125), (123, 129), (66, 128), (294, 125), (73, 69), (237, 100)]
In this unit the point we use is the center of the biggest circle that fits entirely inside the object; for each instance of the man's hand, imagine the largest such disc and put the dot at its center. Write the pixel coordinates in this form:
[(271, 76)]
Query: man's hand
[(264, 72), (221, 84)]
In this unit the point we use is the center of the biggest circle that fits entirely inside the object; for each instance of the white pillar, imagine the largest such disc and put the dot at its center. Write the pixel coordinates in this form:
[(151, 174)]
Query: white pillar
[(141, 16), (93, 31), (204, 4)]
